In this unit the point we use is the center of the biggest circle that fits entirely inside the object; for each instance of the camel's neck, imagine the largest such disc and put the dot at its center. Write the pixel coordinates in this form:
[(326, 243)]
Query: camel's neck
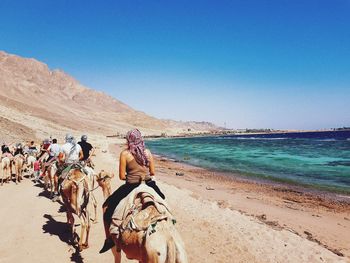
[(106, 192)]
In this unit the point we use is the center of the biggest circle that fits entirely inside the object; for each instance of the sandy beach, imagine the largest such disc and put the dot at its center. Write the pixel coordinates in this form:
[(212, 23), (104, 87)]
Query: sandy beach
[(244, 105), (219, 220)]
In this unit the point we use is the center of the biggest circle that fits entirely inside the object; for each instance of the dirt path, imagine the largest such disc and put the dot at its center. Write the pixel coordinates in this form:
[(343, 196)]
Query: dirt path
[(33, 228)]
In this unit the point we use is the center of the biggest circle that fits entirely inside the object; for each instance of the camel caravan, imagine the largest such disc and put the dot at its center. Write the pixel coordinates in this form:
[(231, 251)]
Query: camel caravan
[(136, 217), (15, 160)]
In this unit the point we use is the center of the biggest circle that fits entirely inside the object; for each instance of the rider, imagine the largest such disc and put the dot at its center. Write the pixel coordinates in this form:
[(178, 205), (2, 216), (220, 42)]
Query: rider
[(32, 150), (6, 152), (53, 150), (36, 167), (43, 149), (18, 150), (70, 154), (135, 165), (5, 147), (87, 148), (32, 147)]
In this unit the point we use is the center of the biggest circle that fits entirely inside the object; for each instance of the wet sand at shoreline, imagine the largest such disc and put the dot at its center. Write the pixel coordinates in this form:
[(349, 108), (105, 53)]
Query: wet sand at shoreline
[(318, 216)]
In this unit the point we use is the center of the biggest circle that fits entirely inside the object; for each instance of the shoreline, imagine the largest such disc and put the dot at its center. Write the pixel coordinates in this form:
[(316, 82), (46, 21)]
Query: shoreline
[(317, 216), (231, 177), (255, 179)]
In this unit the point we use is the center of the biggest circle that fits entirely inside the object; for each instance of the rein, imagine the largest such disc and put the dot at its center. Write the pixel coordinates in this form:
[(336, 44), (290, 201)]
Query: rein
[(77, 182)]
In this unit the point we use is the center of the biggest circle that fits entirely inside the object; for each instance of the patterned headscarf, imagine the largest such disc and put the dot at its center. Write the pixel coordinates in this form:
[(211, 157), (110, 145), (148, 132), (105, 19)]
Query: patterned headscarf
[(70, 138), (137, 147)]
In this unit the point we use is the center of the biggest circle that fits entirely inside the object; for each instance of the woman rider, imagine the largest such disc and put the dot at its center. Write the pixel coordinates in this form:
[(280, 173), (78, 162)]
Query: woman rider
[(135, 165)]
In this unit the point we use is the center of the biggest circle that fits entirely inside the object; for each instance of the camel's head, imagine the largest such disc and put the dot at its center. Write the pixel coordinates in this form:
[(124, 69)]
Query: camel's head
[(103, 179)]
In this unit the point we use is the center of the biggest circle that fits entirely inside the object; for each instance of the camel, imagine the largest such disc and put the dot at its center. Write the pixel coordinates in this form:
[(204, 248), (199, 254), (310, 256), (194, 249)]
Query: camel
[(49, 180), (93, 201), (18, 162), (75, 194), (6, 169), (155, 240), (30, 164), (104, 181)]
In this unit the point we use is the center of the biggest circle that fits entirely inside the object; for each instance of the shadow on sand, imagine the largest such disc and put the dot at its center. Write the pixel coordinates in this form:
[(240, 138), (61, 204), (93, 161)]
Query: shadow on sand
[(63, 232), (44, 193)]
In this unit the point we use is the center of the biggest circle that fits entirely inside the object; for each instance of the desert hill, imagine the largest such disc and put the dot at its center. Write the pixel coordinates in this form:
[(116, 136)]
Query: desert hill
[(35, 99)]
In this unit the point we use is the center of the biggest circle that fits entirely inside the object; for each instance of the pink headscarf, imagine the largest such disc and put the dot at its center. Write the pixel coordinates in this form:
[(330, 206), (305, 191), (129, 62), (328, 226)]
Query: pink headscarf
[(137, 147)]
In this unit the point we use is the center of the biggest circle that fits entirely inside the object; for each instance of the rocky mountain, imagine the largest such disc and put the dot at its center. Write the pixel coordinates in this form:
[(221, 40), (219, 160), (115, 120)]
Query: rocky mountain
[(35, 99)]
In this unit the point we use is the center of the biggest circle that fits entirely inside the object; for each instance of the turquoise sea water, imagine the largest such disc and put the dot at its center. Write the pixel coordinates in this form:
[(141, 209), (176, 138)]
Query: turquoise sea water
[(318, 160)]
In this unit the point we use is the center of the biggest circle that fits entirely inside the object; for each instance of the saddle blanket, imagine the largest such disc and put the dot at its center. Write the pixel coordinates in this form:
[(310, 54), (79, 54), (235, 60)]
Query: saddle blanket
[(127, 206)]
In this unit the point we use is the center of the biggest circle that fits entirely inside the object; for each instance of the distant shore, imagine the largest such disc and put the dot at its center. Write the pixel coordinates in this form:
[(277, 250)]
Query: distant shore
[(235, 132)]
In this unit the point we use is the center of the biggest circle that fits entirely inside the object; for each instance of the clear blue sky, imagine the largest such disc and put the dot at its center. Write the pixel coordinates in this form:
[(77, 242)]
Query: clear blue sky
[(277, 64)]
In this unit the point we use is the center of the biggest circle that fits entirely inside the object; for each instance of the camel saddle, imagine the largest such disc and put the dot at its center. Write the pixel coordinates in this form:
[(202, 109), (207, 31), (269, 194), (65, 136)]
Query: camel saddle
[(130, 213)]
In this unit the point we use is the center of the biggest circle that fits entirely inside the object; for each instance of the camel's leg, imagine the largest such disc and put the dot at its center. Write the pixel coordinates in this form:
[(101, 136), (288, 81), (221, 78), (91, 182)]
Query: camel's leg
[(16, 176), (52, 184), (46, 183), (8, 174), (116, 254), (55, 180), (70, 218), (3, 174), (51, 174), (94, 201), (2, 177), (88, 225), (50, 179), (31, 169), (11, 170), (82, 231), (20, 173), (95, 208), (94, 204)]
